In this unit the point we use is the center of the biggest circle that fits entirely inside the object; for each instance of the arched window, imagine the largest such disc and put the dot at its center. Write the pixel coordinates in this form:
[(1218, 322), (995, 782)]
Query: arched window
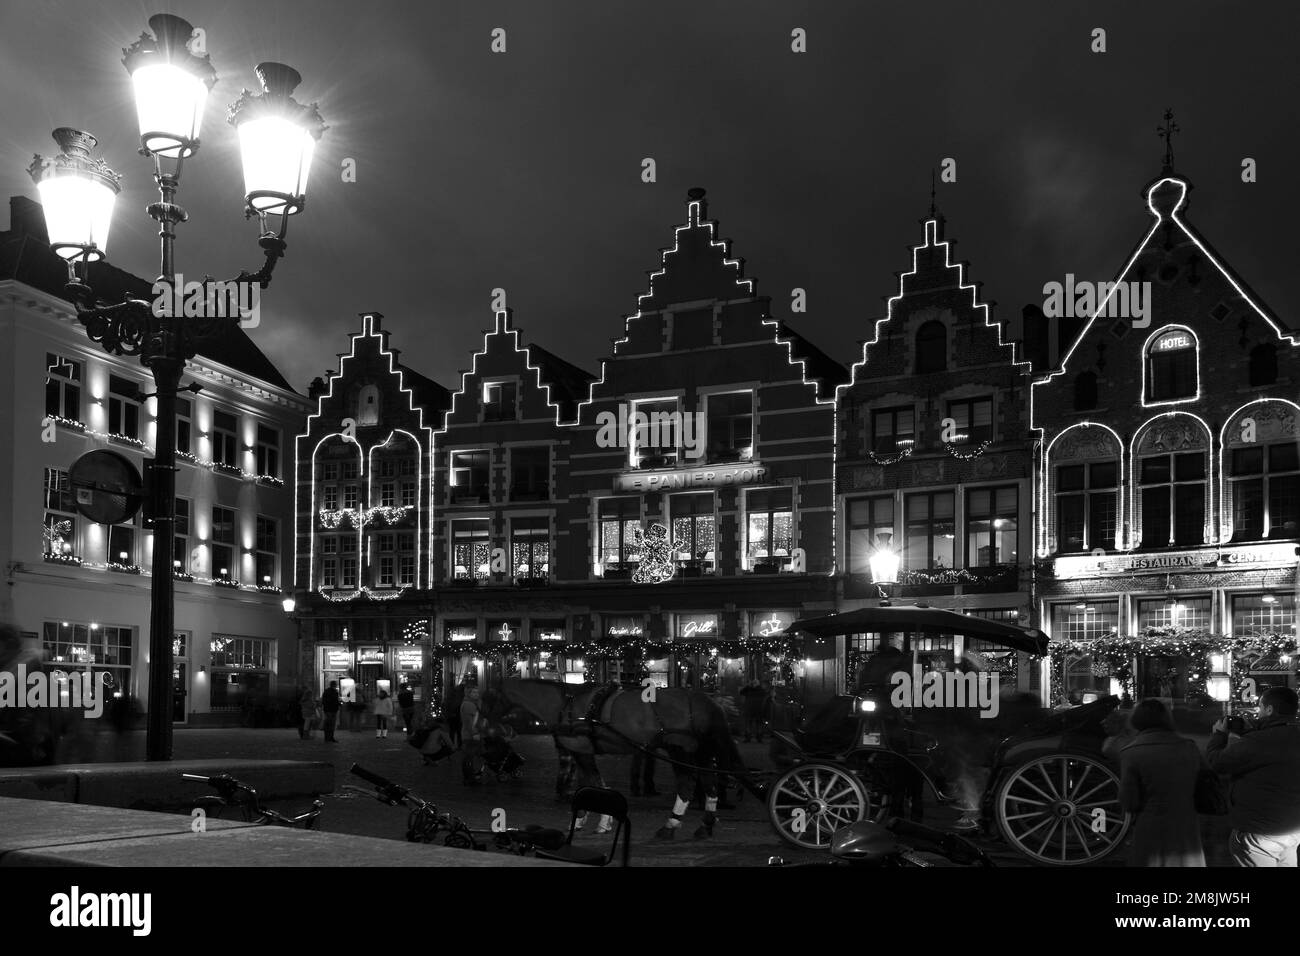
[(931, 348), (1171, 373), (1263, 365), (1085, 391), (368, 405)]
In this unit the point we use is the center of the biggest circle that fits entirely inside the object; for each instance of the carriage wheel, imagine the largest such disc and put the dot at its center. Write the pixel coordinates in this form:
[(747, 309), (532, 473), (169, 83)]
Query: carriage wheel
[(808, 803), (1062, 809)]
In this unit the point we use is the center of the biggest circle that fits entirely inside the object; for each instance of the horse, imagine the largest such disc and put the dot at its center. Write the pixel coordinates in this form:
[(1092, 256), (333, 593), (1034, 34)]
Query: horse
[(590, 719)]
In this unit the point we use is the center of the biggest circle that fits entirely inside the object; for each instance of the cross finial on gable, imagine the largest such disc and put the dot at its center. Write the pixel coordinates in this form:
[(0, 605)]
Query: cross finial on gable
[(1166, 133)]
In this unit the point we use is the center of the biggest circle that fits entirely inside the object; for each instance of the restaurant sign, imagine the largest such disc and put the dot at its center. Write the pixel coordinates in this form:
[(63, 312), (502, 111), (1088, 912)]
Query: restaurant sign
[(697, 625), (410, 659), (769, 623), (678, 479), (1174, 562), (338, 660)]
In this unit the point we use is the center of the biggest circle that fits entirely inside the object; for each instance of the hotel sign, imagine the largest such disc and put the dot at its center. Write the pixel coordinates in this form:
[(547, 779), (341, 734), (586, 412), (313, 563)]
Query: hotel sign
[(677, 480), (1172, 562)]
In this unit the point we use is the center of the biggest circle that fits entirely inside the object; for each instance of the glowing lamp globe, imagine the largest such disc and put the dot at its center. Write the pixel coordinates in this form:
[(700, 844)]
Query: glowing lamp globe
[(277, 140), (171, 87), (77, 196), (289, 604), (884, 566)]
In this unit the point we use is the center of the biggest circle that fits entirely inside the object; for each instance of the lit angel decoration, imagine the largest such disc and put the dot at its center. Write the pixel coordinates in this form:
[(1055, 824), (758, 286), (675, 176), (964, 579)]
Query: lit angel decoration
[(656, 565)]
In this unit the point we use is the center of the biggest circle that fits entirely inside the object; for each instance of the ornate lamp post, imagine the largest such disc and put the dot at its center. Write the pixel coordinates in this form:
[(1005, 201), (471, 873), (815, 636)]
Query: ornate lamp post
[(277, 137)]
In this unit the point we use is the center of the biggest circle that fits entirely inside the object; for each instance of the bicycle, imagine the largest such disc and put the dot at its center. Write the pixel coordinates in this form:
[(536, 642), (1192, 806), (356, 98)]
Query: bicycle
[(426, 823), (232, 793)]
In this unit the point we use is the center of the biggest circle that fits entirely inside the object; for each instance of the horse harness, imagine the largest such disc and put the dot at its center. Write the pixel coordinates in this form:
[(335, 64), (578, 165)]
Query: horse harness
[(590, 723)]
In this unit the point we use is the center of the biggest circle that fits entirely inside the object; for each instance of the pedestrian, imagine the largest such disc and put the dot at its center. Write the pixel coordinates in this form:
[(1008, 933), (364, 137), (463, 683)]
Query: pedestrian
[(436, 746), (294, 711), (472, 723), (751, 709), (1263, 766), (383, 710), (406, 704), (329, 704), (307, 707), (451, 707), (1158, 770)]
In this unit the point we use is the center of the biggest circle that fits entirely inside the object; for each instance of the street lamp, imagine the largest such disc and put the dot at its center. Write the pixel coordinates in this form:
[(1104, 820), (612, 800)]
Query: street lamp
[(277, 137), (289, 604), (884, 561)]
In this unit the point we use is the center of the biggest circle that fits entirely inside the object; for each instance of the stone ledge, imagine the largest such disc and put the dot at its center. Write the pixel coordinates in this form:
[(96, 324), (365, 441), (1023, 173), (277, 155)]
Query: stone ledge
[(38, 833), (157, 785)]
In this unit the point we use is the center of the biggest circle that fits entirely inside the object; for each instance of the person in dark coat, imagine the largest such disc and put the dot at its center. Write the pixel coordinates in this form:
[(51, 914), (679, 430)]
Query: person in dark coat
[(329, 703), (406, 705), (1158, 769), (1264, 768), (451, 707), (752, 698)]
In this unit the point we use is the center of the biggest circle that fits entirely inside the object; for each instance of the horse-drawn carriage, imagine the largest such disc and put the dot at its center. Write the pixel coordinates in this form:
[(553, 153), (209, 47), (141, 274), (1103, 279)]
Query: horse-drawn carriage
[(1048, 790)]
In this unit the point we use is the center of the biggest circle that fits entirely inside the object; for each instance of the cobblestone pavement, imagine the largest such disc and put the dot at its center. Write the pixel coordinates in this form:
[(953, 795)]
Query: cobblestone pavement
[(742, 837)]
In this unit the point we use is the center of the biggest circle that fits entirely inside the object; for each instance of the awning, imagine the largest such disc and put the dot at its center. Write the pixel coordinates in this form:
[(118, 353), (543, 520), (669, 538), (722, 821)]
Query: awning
[(901, 619)]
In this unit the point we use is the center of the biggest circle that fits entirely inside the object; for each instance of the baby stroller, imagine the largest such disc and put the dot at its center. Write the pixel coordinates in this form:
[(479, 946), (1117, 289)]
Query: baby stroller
[(499, 757)]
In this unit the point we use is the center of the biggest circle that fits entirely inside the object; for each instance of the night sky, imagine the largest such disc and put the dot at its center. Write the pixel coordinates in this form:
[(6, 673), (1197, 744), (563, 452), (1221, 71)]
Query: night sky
[(522, 170)]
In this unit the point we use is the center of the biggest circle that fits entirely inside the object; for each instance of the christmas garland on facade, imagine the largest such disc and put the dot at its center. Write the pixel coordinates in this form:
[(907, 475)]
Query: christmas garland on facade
[(978, 450), (890, 459)]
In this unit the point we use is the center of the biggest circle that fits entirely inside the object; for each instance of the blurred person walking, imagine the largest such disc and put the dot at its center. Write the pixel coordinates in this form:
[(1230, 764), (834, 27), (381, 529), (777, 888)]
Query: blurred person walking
[(329, 704), (1158, 770), (383, 711)]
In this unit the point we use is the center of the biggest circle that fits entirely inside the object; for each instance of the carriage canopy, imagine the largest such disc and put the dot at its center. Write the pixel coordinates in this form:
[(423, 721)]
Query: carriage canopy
[(901, 619)]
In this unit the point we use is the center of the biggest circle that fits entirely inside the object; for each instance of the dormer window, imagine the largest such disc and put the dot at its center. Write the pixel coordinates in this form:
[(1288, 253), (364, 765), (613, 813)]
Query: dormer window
[(1171, 373)]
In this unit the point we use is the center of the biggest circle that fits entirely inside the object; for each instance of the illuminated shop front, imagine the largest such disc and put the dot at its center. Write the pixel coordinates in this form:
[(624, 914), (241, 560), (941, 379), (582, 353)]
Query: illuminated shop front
[(392, 657), (1208, 626)]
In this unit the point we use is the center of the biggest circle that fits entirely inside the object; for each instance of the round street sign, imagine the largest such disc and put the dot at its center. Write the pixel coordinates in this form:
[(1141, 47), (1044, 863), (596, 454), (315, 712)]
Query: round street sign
[(107, 487)]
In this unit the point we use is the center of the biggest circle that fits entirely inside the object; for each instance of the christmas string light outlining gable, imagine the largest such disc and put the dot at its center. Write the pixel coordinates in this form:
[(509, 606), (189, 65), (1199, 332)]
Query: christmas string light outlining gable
[(746, 291), (369, 331)]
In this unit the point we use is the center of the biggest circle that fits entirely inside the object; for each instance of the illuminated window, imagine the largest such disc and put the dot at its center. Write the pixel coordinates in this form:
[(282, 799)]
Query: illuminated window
[(351, 495), (1175, 611), (470, 472), (931, 348), (870, 525), (181, 537), (931, 531), (1086, 506), (530, 548), (60, 528), (62, 387), (973, 419), (1265, 482), (992, 520), (1173, 500), (184, 424), (769, 516), (1263, 615), (267, 542), (893, 429), (224, 439), (730, 419), (121, 544), (1080, 672), (123, 407), (620, 518), (471, 550), (655, 438), (223, 541), (1171, 367), (694, 533), (348, 573), (268, 451)]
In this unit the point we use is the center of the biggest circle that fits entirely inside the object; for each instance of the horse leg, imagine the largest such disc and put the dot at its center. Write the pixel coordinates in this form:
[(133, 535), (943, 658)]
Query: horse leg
[(590, 775), (684, 789), (710, 781)]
